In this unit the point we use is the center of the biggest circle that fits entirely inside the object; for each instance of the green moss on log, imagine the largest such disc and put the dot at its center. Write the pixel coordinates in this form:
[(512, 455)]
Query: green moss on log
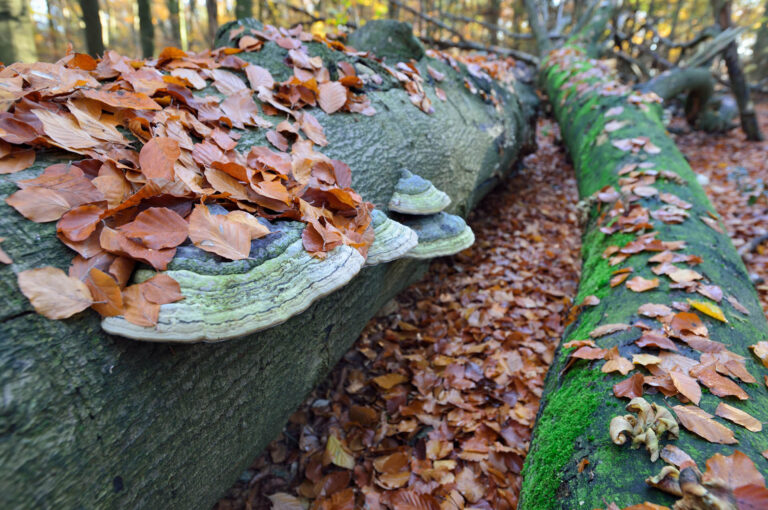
[(578, 406)]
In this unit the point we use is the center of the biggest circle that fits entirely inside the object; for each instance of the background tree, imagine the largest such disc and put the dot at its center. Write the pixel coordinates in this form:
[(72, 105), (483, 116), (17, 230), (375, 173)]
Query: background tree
[(94, 38), (211, 8), (16, 33), (243, 9), (146, 29), (739, 86)]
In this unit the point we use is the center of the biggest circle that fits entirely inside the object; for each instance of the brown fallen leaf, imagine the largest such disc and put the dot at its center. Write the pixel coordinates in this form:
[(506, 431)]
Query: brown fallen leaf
[(137, 309), (688, 322), (39, 204), (701, 423), (106, 293), (760, 349), (157, 228), (630, 387), (607, 329), (53, 293), (158, 156), (654, 310), (17, 161), (738, 417), (717, 384), (161, 289), (591, 300), (687, 386), (220, 234), (332, 96), (389, 381), (640, 284)]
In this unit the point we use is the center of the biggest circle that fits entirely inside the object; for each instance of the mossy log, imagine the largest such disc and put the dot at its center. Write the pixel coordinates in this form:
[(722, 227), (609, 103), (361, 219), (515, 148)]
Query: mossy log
[(90, 420), (578, 402)]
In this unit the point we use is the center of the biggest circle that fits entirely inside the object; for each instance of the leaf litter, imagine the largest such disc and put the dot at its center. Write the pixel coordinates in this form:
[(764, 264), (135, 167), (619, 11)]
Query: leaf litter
[(437, 399)]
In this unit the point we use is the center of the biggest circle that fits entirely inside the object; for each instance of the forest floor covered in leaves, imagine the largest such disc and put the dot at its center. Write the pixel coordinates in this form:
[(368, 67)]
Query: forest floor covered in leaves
[(433, 406), (738, 187)]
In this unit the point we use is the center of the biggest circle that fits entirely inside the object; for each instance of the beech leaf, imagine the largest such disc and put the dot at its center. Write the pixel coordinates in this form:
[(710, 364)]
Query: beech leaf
[(53, 294)]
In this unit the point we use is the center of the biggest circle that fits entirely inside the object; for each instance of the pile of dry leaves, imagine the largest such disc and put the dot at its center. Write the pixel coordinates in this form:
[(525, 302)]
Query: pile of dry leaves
[(434, 406)]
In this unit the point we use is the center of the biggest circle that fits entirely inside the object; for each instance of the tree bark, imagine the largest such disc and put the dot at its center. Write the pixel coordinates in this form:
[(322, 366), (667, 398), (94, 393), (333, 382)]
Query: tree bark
[(94, 40), (739, 85), (146, 29), (17, 40), (175, 22), (101, 421), (211, 7), (760, 48), (578, 401)]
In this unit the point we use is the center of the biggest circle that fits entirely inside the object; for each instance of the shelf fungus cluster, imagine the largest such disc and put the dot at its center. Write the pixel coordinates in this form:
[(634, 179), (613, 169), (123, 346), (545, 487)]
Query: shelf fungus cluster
[(420, 207), (227, 299)]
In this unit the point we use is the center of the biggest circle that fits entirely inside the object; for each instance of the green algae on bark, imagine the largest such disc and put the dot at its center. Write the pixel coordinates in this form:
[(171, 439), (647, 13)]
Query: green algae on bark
[(578, 403)]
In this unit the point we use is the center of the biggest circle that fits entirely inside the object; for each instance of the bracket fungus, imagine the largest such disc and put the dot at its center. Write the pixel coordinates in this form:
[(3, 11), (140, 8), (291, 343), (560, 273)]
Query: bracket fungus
[(227, 299), (392, 239), (416, 195), (646, 428), (439, 234)]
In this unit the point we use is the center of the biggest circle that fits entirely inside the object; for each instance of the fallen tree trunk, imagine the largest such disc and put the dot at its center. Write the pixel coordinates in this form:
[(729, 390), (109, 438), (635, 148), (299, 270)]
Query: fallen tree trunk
[(93, 420), (629, 174)]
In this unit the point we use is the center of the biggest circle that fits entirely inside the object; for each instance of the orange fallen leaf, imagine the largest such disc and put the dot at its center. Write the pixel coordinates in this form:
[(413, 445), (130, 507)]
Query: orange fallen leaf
[(701, 423), (738, 417), (139, 310), (389, 381), (687, 386), (157, 228), (107, 296), (332, 96), (158, 156), (607, 329), (53, 293), (640, 284), (161, 289), (630, 387)]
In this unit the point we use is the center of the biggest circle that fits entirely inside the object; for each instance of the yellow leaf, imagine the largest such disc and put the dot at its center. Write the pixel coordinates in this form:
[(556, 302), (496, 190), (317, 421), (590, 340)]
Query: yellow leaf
[(337, 455), (710, 309)]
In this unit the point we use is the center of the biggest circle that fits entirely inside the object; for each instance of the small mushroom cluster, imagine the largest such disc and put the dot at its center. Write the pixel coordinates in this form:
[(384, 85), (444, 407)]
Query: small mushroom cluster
[(646, 428), (420, 206)]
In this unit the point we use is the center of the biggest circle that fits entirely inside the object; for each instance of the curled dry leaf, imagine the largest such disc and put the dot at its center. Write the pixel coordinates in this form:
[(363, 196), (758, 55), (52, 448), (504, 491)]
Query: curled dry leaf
[(53, 294)]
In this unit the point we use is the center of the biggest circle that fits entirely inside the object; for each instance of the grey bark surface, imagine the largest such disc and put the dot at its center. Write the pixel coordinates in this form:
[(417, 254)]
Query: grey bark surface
[(89, 420)]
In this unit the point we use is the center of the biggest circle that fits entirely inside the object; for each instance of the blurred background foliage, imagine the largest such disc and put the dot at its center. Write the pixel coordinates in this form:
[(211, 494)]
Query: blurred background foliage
[(145, 27)]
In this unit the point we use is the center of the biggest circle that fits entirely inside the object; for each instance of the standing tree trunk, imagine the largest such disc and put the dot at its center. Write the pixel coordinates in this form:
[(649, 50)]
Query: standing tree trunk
[(211, 7), (173, 19), (146, 28), (243, 9), (760, 48), (52, 39), (739, 85), (572, 462), (492, 17), (17, 40), (94, 40)]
